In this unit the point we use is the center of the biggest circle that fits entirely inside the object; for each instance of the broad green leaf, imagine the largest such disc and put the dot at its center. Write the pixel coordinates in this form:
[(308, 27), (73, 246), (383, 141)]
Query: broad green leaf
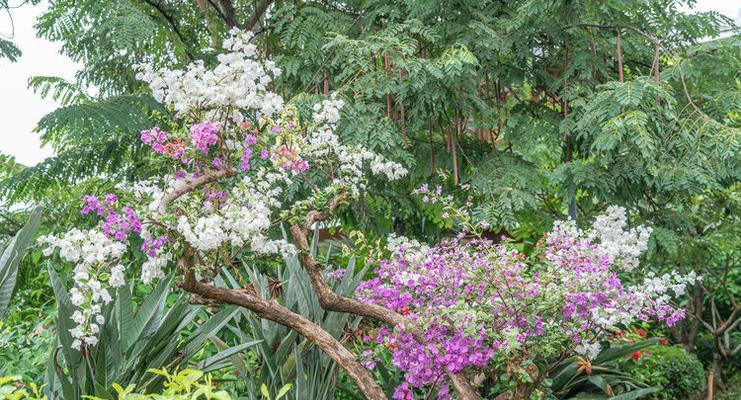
[(12, 256)]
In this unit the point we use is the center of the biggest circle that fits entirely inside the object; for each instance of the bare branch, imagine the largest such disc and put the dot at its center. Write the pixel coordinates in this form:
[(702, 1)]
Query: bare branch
[(254, 18), (194, 184)]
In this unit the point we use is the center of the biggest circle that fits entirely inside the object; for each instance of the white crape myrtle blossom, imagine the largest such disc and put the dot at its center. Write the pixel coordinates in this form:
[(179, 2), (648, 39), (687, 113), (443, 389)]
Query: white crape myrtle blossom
[(608, 231), (410, 249), (239, 81), (94, 255), (245, 218), (588, 350)]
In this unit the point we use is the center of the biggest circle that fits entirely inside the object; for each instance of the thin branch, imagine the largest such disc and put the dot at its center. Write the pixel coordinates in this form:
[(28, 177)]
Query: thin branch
[(260, 9), (174, 26), (193, 184)]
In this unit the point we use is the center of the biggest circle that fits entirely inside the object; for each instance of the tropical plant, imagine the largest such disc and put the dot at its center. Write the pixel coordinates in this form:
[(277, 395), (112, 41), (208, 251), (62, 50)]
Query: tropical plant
[(187, 384), (11, 255), (157, 334), (576, 375), (283, 358), (13, 388)]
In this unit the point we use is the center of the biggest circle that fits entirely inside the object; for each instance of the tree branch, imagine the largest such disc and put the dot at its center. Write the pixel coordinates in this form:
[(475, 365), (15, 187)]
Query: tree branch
[(254, 18), (273, 311), (174, 26), (331, 301), (193, 184)]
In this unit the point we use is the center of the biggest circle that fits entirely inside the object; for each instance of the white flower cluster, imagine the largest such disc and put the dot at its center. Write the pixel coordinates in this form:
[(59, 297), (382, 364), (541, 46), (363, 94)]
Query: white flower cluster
[(323, 142), (94, 255), (609, 233), (410, 249), (239, 81), (624, 246), (652, 297), (244, 219), (588, 350), (658, 291)]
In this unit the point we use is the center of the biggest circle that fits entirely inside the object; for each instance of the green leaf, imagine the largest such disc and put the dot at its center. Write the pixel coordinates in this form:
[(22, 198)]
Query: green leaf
[(12, 256), (618, 352), (283, 391), (149, 315), (635, 394), (226, 353)]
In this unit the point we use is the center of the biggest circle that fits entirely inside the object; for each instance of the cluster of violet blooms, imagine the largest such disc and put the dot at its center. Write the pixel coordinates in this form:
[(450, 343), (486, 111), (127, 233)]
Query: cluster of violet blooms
[(222, 116), (475, 300)]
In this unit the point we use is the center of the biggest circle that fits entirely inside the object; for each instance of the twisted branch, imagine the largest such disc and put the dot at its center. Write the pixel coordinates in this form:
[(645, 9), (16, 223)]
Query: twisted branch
[(331, 301)]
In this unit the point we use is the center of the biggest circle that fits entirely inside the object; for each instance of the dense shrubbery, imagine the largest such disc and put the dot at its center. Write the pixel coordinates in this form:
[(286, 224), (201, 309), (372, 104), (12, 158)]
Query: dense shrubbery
[(675, 373)]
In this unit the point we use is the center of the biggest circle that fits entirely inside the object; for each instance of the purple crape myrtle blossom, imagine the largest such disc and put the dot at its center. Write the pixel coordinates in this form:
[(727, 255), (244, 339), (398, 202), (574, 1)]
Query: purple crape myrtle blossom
[(116, 226), (119, 225)]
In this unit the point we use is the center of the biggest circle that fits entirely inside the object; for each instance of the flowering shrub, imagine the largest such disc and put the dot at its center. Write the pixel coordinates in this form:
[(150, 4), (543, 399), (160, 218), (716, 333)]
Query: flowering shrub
[(478, 302), (218, 198)]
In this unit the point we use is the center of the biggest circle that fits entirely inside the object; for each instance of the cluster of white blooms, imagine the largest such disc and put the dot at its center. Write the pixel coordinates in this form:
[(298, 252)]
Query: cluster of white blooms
[(410, 249), (650, 298), (609, 233), (239, 81), (624, 246), (588, 350), (94, 254), (244, 219), (323, 142), (154, 267)]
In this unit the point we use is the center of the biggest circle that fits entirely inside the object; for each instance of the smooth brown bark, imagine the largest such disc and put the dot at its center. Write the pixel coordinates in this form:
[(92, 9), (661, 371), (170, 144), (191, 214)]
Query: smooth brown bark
[(273, 311)]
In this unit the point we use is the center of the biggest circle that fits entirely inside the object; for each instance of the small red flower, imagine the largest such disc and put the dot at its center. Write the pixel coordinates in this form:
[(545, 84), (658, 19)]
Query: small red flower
[(641, 332), (664, 342), (636, 356)]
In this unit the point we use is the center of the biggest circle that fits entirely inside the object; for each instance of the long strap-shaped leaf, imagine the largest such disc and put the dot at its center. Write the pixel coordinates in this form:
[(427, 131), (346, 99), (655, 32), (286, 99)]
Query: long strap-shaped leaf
[(12, 256), (148, 317)]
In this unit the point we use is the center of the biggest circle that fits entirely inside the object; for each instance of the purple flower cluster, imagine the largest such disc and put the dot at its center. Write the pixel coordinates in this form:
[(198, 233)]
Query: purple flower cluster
[(474, 300), (152, 245), (92, 204), (157, 139), (213, 195), (249, 141), (114, 225), (118, 226), (204, 135)]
